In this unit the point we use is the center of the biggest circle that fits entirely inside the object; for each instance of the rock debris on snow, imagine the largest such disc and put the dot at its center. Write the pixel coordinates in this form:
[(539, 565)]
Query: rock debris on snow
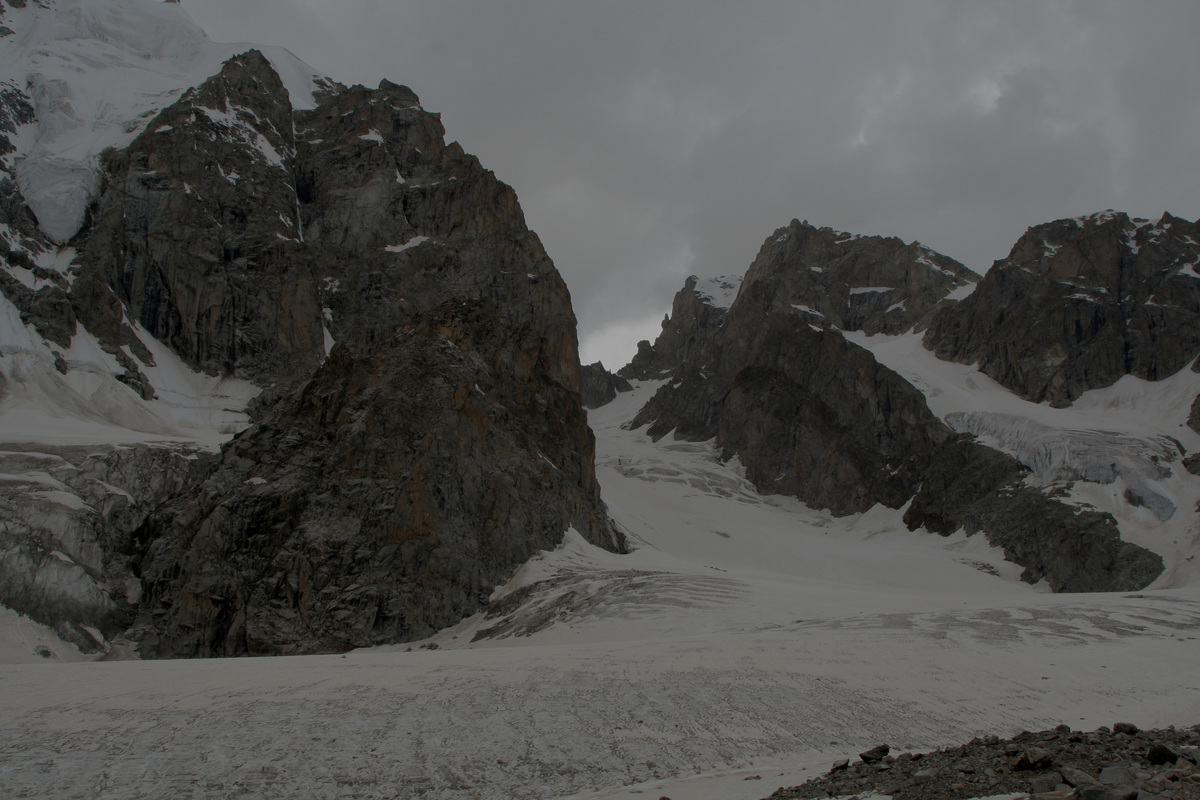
[(1123, 763)]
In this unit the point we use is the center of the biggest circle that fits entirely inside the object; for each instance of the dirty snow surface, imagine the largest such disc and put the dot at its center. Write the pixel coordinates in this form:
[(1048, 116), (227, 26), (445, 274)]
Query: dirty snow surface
[(744, 644)]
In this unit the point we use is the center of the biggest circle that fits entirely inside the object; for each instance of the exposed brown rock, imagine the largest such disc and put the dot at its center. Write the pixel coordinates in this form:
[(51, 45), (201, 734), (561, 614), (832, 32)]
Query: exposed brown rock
[(1061, 763), (440, 442), (381, 502)]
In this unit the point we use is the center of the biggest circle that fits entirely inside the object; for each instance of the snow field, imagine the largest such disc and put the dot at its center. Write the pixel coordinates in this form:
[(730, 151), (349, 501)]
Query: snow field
[(1133, 430), (744, 644), (743, 637), (88, 405)]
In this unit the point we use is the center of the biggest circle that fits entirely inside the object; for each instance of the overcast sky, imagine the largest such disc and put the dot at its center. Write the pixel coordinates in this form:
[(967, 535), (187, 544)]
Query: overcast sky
[(648, 141)]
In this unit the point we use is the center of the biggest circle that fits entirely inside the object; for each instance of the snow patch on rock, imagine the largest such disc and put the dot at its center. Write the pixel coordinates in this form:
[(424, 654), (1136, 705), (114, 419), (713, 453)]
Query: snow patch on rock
[(96, 72), (719, 292)]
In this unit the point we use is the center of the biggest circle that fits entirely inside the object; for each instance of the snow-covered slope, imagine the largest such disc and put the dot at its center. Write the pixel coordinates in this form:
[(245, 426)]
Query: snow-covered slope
[(719, 292), (742, 639), (88, 404), (96, 73), (1121, 447)]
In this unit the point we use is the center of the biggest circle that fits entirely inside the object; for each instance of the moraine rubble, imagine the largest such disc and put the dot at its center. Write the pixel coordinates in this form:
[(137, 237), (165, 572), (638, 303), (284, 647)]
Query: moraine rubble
[(1119, 764)]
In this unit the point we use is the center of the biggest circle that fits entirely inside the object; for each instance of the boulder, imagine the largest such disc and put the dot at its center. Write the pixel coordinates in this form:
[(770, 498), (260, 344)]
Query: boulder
[(876, 753)]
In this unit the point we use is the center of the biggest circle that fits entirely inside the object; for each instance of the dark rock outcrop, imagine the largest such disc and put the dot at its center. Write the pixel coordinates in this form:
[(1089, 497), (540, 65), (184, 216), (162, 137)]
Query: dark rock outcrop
[(598, 386), (420, 432), (855, 283), (1192, 462), (977, 489), (832, 279), (687, 332), (808, 413), (197, 234), (15, 110), (1077, 304), (46, 307), (1073, 550), (381, 502), (1124, 762), (441, 444), (67, 517), (814, 416)]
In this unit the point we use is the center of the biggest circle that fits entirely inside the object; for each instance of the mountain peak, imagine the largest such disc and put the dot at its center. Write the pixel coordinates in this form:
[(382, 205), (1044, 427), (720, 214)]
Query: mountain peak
[(1122, 294), (854, 282), (95, 72)]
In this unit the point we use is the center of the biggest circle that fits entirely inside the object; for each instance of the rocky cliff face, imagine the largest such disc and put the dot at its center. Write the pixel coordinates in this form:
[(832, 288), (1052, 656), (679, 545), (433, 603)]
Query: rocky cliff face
[(598, 386), (808, 413), (688, 332), (1077, 304), (66, 519), (855, 283), (833, 279), (972, 487), (196, 235), (386, 498), (443, 441), (420, 432), (812, 415), (1192, 462), (21, 241)]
